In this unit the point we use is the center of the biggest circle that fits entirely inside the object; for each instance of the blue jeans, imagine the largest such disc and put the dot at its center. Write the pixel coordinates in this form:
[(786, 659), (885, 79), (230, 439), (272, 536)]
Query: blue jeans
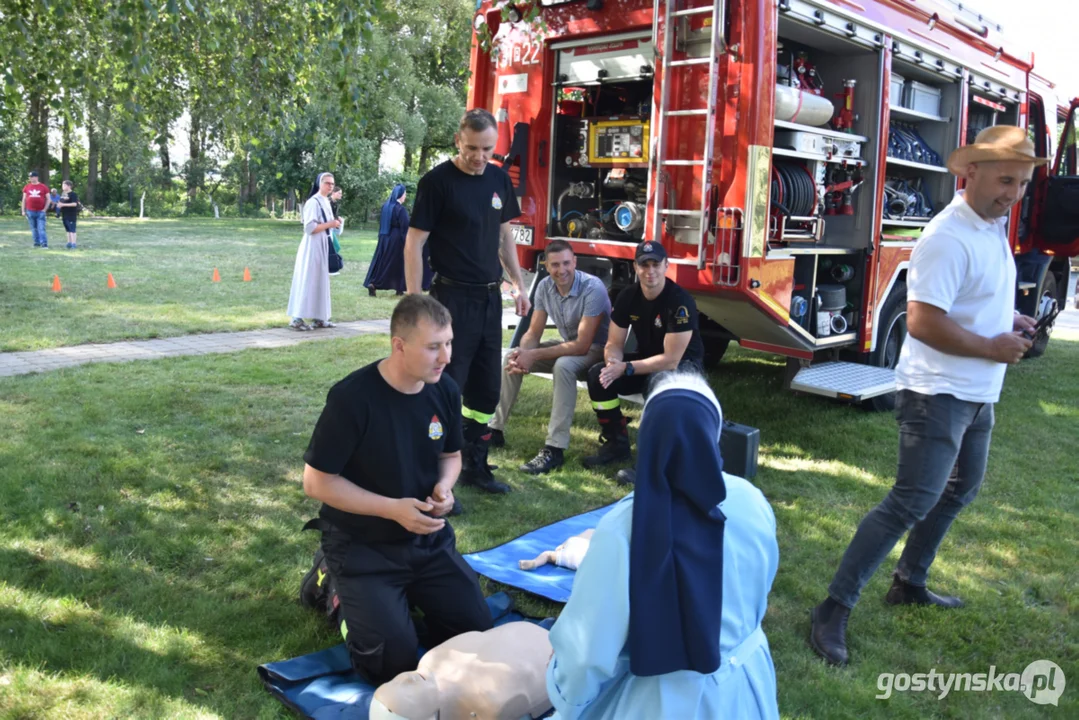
[(935, 431), (36, 218)]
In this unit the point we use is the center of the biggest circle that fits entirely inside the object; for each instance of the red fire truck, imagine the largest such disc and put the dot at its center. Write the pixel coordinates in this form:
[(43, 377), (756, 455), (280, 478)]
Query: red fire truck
[(787, 153)]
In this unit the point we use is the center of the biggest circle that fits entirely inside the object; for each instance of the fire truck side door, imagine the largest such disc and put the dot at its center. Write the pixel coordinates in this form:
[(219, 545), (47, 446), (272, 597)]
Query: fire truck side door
[(1058, 226)]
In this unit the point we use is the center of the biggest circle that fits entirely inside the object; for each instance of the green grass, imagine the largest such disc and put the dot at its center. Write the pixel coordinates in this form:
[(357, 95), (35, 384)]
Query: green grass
[(163, 271), (151, 552)]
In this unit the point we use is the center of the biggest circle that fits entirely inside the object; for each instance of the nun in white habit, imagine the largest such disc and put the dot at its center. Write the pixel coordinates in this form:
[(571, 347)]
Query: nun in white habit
[(310, 295)]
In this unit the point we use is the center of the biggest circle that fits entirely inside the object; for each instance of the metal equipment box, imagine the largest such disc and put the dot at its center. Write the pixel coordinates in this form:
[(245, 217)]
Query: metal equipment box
[(921, 97)]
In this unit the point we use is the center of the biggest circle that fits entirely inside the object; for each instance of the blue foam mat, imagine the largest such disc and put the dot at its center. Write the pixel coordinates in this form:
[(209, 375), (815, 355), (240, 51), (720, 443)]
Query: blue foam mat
[(549, 581), (323, 685)]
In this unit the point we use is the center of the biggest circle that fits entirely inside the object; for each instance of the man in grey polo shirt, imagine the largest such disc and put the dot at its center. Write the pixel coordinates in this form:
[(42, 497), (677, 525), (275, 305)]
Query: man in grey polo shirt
[(580, 308)]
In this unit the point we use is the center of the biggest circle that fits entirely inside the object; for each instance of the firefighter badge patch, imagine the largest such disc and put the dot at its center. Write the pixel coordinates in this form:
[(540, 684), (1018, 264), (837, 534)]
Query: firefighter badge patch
[(434, 430), (659, 321), (681, 315), (496, 202)]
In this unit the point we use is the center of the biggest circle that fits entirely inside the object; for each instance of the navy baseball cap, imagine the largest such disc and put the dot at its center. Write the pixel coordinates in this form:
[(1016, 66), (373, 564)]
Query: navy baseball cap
[(649, 250), (33, 173)]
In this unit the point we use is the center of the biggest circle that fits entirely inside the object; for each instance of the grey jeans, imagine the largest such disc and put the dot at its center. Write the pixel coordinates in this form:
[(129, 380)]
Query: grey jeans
[(935, 431), (567, 370)]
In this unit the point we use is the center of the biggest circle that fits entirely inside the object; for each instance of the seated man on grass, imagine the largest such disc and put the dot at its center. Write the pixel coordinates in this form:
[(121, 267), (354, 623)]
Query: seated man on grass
[(383, 460), (581, 310), (664, 321)]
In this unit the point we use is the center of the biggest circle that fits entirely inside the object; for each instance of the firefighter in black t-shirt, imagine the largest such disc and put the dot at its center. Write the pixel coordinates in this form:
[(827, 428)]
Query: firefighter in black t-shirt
[(383, 460), (463, 210), (664, 321)]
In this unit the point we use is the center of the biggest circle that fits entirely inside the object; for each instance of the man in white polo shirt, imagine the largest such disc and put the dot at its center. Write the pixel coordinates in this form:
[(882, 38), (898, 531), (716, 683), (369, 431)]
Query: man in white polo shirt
[(962, 334), (578, 305)]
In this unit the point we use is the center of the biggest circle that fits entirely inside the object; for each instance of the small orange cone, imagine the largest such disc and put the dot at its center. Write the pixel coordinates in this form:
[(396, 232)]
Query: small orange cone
[(217, 276), (247, 274), (56, 286), (111, 283)]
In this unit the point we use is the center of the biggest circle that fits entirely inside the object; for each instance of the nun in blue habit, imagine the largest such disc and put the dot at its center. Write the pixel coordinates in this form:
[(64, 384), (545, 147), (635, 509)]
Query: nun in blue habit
[(387, 269), (664, 621)]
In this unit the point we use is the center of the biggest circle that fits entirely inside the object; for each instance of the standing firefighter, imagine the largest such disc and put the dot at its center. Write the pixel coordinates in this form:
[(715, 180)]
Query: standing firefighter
[(464, 206)]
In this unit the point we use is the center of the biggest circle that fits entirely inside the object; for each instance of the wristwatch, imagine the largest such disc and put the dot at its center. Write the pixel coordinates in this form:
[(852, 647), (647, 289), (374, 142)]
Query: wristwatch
[(629, 369)]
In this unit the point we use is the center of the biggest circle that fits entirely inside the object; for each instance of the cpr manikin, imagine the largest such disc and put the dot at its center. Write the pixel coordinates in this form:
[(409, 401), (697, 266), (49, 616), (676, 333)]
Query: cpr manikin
[(499, 674), (568, 555)]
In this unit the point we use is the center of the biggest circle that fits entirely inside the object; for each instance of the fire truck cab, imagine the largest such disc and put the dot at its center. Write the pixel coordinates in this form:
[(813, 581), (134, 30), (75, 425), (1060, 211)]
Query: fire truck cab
[(787, 153)]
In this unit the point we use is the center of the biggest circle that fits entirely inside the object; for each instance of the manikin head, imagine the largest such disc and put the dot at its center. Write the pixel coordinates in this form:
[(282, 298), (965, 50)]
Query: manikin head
[(421, 338), (409, 696)]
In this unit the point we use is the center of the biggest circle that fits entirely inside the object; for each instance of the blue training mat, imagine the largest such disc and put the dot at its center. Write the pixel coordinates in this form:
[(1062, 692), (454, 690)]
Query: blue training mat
[(323, 684), (549, 581)]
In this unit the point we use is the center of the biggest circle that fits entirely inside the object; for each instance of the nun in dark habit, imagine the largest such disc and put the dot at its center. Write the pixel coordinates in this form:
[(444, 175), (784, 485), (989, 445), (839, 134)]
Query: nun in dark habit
[(387, 269), (665, 616)]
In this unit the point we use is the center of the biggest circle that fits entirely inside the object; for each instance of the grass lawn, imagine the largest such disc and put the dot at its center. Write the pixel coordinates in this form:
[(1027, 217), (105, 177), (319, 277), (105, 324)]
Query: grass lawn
[(163, 271), (151, 553)]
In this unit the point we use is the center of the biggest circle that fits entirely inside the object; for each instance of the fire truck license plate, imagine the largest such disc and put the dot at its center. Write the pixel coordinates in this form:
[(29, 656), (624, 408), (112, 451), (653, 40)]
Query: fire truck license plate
[(522, 234)]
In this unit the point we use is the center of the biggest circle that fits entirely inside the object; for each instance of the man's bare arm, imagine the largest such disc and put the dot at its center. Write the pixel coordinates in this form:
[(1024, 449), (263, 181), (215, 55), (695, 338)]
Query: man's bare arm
[(586, 332), (507, 255), (674, 349), (931, 325), (449, 467), (337, 492), (616, 343), (414, 243)]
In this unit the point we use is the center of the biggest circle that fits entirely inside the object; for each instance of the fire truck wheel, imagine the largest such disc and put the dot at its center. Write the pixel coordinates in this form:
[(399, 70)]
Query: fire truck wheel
[(715, 339), (891, 333), (1041, 342), (714, 348)]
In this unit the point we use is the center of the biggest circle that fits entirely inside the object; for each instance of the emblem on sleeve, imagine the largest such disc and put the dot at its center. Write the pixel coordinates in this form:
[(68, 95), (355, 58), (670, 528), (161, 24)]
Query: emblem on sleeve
[(681, 315)]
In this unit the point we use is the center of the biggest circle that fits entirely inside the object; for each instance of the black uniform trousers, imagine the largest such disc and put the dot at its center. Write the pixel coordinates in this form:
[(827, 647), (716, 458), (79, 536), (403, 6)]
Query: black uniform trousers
[(379, 584), (605, 400), (476, 362)]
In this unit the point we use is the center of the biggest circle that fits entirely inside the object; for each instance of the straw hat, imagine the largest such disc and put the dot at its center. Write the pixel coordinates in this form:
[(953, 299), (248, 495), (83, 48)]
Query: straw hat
[(998, 143)]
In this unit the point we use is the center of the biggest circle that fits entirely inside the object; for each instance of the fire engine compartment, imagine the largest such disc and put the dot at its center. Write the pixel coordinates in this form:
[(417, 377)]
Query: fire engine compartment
[(601, 132)]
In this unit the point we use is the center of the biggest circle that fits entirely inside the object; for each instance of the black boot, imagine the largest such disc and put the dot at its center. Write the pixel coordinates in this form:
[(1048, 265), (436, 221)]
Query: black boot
[(614, 442), (371, 291), (828, 631), (475, 471), (498, 438), (902, 593), (626, 476), (547, 459)]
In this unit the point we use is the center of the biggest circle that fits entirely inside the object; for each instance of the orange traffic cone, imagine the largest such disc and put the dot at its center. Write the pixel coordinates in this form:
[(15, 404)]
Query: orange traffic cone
[(56, 286), (247, 274), (111, 283), (217, 276)]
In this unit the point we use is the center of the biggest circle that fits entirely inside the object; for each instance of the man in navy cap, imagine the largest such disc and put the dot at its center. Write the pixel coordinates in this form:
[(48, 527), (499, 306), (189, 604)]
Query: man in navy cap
[(664, 321)]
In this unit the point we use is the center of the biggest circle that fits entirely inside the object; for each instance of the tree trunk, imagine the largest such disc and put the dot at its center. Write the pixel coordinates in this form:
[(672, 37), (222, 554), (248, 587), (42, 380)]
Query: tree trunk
[(408, 157), (163, 153), (241, 196), (290, 201), (92, 156), (252, 183), (38, 145), (425, 158), (65, 156), (194, 146)]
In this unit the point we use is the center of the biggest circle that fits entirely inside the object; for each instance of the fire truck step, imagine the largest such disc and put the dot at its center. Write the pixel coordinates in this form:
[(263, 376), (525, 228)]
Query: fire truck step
[(845, 381), (682, 113), (692, 11), (691, 61), (683, 162)]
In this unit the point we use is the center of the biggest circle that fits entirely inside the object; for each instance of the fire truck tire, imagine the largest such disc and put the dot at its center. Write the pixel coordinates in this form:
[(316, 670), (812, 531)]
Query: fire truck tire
[(1041, 342), (715, 339), (891, 332)]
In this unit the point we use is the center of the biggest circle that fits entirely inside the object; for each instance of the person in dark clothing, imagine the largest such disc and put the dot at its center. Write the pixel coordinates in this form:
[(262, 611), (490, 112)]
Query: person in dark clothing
[(68, 207), (387, 268), (463, 211), (383, 460), (664, 321)]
